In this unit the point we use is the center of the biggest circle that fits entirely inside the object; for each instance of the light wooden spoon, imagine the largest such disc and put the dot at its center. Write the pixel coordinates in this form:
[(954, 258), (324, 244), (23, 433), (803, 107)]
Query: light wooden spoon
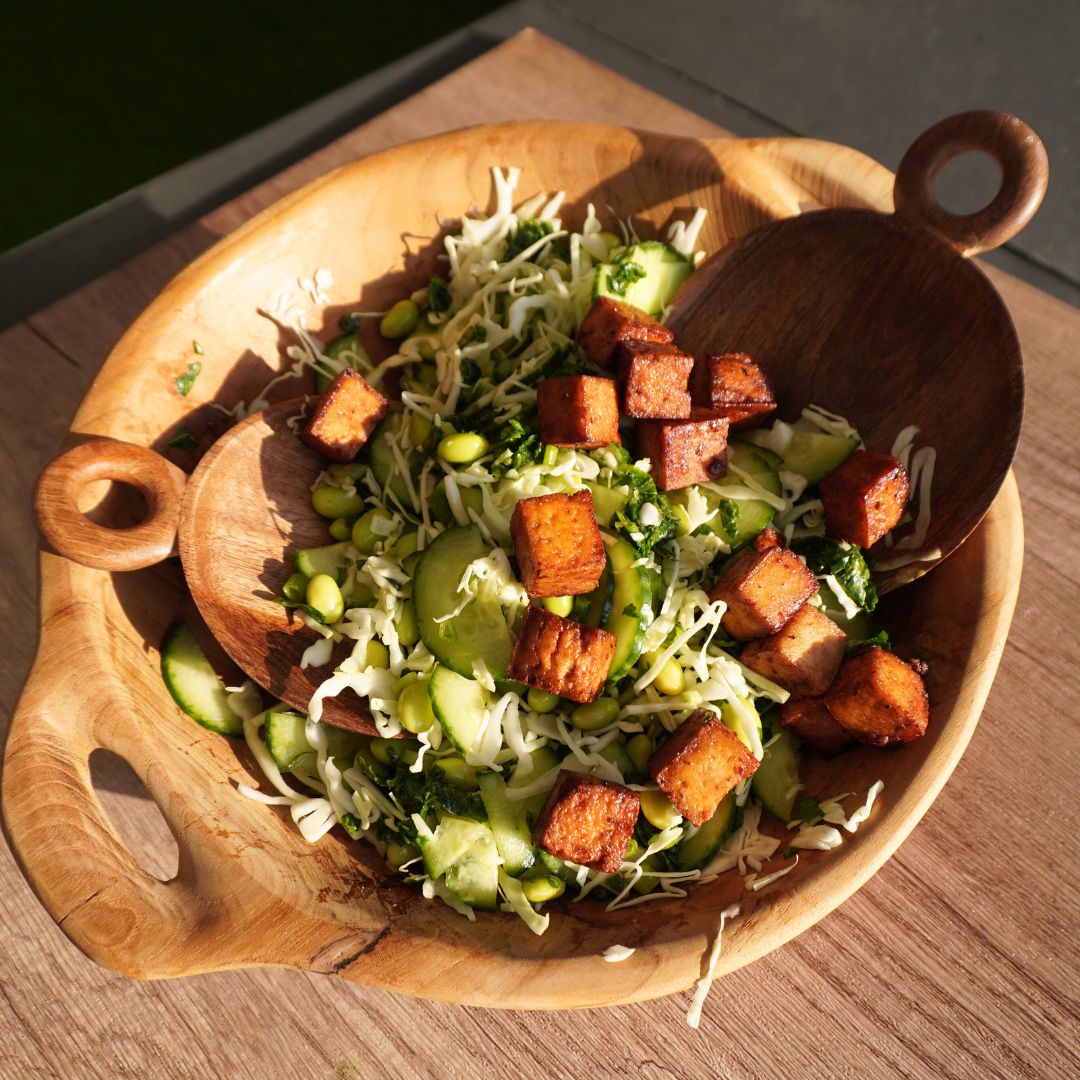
[(883, 319), (878, 317)]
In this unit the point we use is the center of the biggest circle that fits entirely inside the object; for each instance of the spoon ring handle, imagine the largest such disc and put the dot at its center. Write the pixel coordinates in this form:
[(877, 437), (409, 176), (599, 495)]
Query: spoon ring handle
[(73, 534), (1024, 173)]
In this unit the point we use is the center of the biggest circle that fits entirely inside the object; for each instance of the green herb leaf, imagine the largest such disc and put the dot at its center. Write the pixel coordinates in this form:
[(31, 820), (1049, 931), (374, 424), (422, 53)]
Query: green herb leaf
[(184, 440), (881, 639), (528, 232), (846, 562), (623, 275), (197, 349), (351, 824), (729, 516), (185, 382), (349, 324), (524, 446), (300, 606), (627, 520), (808, 810), (438, 294)]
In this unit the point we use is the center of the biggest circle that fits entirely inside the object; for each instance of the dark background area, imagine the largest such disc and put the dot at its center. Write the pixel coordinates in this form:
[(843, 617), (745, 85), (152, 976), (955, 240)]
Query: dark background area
[(98, 97)]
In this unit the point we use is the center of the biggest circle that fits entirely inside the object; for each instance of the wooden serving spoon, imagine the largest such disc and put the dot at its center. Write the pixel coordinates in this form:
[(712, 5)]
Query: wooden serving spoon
[(883, 319), (878, 317), (232, 521)]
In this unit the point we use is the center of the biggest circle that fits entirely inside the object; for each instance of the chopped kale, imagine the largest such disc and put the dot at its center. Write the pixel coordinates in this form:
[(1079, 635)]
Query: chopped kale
[(300, 605), (351, 824), (628, 519), (420, 794), (476, 332), (349, 324), (881, 639), (523, 444), (808, 809), (528, 232), (185, 382), (623, 275), (438, 294), (184, 440), (846, 562), (729, 516)]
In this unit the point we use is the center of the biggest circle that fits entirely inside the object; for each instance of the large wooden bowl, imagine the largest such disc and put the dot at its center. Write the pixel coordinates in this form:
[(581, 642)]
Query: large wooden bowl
[(249, 891)]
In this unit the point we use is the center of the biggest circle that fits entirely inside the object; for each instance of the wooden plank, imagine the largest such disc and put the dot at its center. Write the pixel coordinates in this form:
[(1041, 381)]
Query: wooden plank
[(958, 959)]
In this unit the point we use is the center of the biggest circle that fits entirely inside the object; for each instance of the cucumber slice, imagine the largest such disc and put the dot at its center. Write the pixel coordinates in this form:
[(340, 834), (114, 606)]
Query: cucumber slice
[(345, 351), (458, 704), (556, 866), (776, 782), (700, 846), (594, 608), (814, 454), (646, 275), (285, 738), (330, 559), (479, 631), (607, 502), (383, 460), (193, 684), (631, 607), (464, 853), (508, 825), (544, 759)]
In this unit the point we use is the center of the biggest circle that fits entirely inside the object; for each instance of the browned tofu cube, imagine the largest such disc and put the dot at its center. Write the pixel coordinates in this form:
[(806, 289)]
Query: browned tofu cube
[(561, 656), (701, 761), (344, 417), (653, 379), (733, 386), (684, 452), (579, 411), (811, 721), (802, 657), (767, 538), (610, 322), (879, 698), (864, 498), (587, 821), (762, 590), (557, 544)]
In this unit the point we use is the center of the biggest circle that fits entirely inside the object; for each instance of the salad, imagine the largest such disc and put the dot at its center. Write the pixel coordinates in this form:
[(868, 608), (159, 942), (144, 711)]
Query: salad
[(594, 654)]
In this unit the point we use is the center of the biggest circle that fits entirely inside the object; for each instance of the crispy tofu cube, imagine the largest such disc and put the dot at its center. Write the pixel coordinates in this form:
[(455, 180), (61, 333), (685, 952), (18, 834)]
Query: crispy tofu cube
[(865, 497), (811, 721), (684, 452), (762, 590), (701, 761), (653, 379), (344, 417), (579, 411), (879, 698), (610, 322), (557, 544), (802, 657), (767, 538), (588, 821), (732, 385), (561, 656)]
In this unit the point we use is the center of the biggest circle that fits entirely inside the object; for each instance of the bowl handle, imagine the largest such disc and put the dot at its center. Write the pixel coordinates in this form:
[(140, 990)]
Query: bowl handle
[(72, 534), (1024, 174)]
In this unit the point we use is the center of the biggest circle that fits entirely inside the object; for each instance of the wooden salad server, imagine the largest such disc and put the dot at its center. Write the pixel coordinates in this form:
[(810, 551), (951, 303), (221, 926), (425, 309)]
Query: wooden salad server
[(231, 522), (884, 319)]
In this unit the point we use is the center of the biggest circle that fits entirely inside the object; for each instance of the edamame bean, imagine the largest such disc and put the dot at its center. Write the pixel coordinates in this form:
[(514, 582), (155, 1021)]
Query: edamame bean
[(408, 564), (407, 631), (400, 321), (559, 605), (351, 471), (454, 771), (414, 708), (419, 429), (364, 537), (398, 854), (596, 714), (463, 448), (360, 596), (640, 749), (472, 498), (538, 890), (657, 810), (325, 597), (671, 679), (377, 655), (332, 502), (646, 883), (341, 528), (406, 543), (295, 587), (391, 751), (541, 701)]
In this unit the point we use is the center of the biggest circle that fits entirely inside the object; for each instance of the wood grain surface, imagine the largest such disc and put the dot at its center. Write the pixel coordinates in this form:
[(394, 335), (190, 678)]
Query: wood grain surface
[(958, 959)]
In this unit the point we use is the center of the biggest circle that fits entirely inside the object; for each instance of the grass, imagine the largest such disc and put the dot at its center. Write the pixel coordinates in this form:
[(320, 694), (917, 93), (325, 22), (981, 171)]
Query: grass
[(105, 95)]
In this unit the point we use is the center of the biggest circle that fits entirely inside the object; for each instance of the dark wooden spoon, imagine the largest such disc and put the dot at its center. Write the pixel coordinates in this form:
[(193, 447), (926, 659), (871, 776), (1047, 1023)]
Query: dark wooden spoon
[(883, 319)]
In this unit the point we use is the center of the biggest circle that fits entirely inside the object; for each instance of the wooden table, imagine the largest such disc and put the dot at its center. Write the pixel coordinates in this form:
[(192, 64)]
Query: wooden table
[(958, 959)]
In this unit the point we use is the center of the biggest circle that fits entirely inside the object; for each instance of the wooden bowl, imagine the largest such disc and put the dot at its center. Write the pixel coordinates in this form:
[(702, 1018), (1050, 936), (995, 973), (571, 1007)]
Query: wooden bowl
[(249, 891)]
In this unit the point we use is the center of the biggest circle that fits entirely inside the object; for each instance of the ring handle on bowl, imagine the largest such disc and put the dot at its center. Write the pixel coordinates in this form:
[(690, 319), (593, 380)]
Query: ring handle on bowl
[(1024, 175), (73, 535)]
